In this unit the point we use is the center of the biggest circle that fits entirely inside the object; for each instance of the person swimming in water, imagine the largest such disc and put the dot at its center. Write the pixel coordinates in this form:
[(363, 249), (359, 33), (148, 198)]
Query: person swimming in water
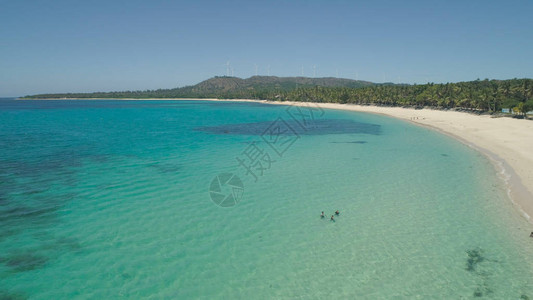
[(337, 212), (322, 215), (332, 219), (531, 235)]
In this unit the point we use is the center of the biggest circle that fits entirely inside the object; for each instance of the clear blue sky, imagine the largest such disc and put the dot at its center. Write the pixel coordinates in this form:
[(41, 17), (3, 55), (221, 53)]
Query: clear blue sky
[(82, 46)]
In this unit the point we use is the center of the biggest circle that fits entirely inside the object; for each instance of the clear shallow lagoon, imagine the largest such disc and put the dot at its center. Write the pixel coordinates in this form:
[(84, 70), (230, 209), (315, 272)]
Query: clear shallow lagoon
[(109, 199)]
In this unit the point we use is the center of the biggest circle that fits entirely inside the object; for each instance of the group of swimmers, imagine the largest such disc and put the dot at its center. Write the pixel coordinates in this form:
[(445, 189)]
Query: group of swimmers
[(322, 216)]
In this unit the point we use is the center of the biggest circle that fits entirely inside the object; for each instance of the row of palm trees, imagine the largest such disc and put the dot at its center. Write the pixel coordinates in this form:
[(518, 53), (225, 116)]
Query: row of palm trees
[(486, 95)]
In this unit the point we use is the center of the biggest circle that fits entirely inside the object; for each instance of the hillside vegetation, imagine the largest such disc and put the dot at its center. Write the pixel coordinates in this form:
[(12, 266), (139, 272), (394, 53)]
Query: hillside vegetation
[(256, 87)]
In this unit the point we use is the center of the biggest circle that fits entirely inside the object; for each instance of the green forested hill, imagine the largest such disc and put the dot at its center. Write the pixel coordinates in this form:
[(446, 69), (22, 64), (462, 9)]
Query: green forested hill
[(256, 87), (486, 95)]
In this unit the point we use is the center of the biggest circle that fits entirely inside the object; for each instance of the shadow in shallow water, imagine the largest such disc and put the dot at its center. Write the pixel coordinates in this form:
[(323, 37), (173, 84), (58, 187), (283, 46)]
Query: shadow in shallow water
[(352, 142), (291, 127), (26, 261)]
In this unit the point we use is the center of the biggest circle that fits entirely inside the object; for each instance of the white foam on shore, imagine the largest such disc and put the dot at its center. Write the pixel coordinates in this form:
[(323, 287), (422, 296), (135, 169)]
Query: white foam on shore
[(514, 188), (512, 183)]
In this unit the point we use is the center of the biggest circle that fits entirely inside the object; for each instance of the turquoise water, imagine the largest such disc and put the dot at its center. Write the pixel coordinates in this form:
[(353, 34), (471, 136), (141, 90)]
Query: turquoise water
[(111, 199)]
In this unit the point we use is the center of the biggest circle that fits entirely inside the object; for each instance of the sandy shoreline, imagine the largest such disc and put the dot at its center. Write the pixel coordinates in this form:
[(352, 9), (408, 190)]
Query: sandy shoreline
[(507, 142)]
